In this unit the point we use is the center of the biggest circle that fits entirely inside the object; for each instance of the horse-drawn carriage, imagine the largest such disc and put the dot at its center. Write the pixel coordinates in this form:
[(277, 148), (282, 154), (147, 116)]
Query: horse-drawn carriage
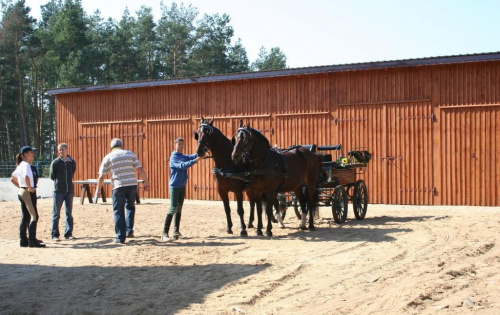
[(247, 163), (337, 185)]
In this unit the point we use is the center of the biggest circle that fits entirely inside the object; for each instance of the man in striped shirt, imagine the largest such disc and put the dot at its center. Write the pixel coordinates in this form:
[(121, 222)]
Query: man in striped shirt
[(122, 164)]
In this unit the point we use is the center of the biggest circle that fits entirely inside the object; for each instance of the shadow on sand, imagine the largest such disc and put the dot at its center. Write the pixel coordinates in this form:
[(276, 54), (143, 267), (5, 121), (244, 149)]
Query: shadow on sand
[(113, 290)]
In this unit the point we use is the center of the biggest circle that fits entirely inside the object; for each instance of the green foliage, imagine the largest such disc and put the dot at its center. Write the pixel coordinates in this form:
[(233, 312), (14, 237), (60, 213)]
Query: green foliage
[(68, 47), (273, 60), (176, 37)]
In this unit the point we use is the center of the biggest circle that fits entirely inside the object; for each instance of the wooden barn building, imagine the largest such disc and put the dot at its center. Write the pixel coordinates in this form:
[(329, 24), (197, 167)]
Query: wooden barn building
[(432, 124)]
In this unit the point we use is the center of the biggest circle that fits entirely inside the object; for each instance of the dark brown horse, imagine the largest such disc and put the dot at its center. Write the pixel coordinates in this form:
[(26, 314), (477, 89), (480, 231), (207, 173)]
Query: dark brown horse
[(228, 175), (273, 172)]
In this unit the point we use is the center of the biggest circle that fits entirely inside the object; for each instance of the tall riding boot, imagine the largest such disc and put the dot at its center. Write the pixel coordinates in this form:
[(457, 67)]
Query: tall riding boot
[(33, 242), (177, 223), (168, 221), (22, 233)]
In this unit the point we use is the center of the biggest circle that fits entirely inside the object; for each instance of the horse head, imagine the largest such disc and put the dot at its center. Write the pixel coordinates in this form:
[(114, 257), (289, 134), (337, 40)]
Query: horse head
[(205, 136), (242, 143)]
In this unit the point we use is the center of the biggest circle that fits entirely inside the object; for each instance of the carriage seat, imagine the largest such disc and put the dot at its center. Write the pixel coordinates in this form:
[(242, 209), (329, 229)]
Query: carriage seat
[(326, 158), (310, 147), (327, 165), (329, 147)]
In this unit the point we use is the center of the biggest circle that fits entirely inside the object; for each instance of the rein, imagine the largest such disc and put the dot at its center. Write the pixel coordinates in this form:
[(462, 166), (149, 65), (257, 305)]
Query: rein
[(259, 170)]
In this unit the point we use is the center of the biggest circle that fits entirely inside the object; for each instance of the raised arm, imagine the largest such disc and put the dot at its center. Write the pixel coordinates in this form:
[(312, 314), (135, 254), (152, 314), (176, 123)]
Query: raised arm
[(184, 165)]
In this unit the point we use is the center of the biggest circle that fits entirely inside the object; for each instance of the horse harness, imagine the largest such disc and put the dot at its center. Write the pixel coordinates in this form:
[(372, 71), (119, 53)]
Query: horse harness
[(210, 132)]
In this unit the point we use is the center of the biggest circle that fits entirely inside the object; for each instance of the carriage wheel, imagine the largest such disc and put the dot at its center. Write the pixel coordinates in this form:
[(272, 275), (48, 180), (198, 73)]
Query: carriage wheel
[(360, 199), (339, 204)]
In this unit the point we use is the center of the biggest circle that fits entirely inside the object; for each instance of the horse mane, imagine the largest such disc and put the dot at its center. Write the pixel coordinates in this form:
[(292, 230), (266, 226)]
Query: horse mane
[(260, 136), (218, 132)]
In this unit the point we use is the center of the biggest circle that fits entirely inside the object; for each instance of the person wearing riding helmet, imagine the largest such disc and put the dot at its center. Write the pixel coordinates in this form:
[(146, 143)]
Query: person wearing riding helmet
[(23, 178)]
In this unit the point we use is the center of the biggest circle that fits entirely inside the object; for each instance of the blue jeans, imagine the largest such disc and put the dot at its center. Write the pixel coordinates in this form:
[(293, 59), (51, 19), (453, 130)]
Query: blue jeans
[(124, 198), (60, 198)]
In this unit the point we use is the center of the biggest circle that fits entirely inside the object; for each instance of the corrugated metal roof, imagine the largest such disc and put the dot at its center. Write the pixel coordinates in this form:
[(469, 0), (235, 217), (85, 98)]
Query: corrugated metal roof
[(286, 72)]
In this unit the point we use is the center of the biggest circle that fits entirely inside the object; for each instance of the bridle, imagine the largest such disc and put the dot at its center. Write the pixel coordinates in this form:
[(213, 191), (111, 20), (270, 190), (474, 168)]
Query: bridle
[(205, 144), (247, 140)]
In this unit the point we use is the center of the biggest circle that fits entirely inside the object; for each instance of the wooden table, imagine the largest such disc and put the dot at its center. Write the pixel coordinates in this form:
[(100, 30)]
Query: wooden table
[(86, 190)]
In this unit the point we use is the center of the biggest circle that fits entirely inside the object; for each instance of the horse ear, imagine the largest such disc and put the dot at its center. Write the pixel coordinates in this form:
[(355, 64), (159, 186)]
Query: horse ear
[(241, 123), (195, 135), (248, 124), (212, 121), (202, 119)]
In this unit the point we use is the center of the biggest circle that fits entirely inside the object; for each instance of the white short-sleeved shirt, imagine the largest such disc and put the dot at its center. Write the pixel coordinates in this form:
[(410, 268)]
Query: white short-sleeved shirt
[(21, 171), (121, 164)]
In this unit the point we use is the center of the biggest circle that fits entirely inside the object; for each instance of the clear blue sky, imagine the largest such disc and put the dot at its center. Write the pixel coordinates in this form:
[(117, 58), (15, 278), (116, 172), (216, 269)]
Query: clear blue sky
[(328, 32)]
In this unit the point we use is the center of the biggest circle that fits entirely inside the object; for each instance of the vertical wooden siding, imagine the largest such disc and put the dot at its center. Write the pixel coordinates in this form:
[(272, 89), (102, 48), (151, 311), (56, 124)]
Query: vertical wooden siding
[(467, 104), (470, 156), (439, 123)]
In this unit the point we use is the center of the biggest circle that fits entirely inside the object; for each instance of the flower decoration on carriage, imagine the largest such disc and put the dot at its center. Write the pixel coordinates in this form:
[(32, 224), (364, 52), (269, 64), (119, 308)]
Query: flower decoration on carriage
[(343, 161), (362, 157)]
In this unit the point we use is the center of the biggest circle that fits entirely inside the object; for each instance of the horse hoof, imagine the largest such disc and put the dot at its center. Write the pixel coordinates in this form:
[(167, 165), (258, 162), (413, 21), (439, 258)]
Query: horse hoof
[(229, 232), (259, 233), (250, 226), (312, 228), (273, 219), (302, 227), (269, 234), (243, 234), (282, 226)]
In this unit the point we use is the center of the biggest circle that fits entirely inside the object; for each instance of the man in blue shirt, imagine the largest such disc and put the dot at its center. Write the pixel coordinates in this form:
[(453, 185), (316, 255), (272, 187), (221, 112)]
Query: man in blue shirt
[(179, 164)]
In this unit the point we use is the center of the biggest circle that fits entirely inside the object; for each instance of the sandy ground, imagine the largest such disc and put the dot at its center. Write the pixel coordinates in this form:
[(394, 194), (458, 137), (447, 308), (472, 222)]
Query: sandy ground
[(400, 259)]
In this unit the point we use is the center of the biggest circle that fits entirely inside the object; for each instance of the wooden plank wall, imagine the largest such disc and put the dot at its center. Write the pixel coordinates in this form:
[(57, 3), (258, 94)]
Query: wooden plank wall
[(432, 130)]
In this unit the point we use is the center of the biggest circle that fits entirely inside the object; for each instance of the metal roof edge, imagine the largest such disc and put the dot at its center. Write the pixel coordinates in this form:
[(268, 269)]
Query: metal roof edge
[(286, 72)]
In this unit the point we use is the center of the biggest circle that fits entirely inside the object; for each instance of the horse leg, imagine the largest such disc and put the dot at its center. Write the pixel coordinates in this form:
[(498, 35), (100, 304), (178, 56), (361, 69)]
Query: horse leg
[(259, 217), (269, 211), (311, 207), (303, 208), (251, 217), (278, 213), (241, 212), (227, 209)]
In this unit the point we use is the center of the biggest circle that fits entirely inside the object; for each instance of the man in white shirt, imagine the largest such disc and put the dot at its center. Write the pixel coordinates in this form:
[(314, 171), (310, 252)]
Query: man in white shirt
[(122, 165)]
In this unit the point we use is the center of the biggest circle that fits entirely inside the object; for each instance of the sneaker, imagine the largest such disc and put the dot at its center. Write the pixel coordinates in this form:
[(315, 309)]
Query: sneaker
[(56, 239), (117, 241), (131, 235), (165, 238), (70, 237), (24, 243)]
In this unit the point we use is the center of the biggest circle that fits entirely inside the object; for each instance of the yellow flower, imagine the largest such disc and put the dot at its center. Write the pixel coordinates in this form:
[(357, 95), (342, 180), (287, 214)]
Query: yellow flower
[(345, 161)]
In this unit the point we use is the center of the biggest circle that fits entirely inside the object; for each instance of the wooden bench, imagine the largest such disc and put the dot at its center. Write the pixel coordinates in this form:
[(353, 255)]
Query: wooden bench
[(87, 191)]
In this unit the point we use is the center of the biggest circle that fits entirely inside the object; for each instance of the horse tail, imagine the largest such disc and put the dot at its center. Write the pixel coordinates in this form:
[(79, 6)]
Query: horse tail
[(313, 163)]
